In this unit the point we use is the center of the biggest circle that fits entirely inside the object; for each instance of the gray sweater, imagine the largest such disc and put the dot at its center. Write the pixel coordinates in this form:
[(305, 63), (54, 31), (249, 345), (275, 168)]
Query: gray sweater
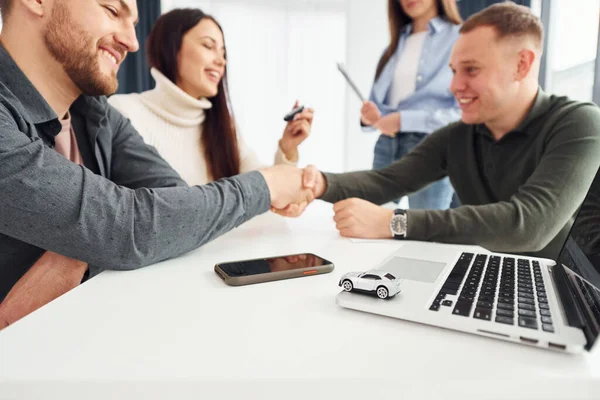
[(125, 209), (519, 194)]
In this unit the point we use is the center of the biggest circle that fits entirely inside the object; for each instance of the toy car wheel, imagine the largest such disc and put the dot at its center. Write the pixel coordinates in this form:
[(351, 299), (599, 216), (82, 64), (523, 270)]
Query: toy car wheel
[(382, 292), (347, 285)]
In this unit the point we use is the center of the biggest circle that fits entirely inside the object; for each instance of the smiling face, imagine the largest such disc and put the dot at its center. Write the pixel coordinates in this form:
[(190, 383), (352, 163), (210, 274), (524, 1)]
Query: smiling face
[(417, 9), (201, 60), (484, 81), (90, 39)]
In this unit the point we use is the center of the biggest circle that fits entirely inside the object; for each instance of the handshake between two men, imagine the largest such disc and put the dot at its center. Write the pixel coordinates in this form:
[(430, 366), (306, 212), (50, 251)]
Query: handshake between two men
[(293, 189)]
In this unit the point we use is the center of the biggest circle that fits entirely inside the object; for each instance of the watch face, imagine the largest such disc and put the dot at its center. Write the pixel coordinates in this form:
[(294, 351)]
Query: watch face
[(398, 224)]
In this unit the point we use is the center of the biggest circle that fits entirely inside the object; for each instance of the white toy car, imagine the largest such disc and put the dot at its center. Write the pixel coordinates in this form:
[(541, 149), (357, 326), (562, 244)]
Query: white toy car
[(381, 283)]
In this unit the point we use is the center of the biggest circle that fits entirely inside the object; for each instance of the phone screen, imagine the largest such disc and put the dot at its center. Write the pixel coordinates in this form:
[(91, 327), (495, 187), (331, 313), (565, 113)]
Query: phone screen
[(274, 264)]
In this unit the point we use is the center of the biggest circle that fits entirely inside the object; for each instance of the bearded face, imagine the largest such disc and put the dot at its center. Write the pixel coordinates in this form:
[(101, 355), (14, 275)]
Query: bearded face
[(91, 65)]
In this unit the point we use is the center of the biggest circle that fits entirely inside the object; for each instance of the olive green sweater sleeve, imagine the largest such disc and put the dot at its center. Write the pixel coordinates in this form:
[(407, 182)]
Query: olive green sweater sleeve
[(425, 164)]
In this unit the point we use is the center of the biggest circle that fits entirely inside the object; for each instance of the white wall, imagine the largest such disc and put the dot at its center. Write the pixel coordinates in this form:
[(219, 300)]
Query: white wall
[(367, 36), (572, 48)]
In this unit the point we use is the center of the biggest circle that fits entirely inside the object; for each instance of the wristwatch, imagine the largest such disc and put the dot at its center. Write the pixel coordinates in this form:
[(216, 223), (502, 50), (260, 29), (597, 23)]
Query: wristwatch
[(398, 224)]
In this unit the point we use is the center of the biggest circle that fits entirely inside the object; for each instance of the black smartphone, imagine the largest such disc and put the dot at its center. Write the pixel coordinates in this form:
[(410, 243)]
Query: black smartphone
[(246, 272), (290, 116)]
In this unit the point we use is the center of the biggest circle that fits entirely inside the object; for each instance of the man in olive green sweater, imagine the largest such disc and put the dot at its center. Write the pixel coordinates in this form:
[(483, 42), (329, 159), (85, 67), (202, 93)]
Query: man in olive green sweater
[(521, 161)]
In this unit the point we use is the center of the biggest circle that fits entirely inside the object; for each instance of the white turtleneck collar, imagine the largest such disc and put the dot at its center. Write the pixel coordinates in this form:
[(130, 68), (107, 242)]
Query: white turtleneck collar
[(168, 101)]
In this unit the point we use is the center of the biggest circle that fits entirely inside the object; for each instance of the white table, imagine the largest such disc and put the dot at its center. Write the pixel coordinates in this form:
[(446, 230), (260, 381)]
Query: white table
[(175, 330)]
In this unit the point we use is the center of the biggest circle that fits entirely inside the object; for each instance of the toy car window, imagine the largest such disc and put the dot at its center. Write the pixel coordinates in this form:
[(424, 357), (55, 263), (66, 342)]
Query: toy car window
[(369, 277), (390, 276)]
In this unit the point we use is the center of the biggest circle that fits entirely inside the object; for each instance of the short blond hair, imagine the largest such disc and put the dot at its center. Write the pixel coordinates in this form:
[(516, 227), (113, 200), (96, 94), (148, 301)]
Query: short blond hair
[(508, 20)]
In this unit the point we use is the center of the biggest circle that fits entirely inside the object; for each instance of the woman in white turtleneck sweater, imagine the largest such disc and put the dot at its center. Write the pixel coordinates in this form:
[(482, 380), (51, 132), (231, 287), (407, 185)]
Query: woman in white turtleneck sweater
[(187, 116)]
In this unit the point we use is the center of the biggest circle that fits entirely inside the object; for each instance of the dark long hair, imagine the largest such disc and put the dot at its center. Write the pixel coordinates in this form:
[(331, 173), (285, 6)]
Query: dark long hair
[(219, 137), (398, 19), (5, 6)]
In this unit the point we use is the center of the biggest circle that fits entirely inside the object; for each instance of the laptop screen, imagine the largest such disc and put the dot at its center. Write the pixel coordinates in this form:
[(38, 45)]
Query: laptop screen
[(581, 254)]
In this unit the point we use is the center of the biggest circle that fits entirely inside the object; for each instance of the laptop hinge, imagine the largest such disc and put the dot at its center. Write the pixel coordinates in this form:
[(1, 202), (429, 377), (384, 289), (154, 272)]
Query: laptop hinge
[(566, 293)]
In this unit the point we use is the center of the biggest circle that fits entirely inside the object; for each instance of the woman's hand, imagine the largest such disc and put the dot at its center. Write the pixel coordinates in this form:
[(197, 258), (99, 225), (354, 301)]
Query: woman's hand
[(369, 113), (295, 132), (389, 125)]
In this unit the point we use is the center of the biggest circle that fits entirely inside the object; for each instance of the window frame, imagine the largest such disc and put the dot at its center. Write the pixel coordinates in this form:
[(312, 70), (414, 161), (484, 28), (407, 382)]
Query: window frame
[(545, 16)]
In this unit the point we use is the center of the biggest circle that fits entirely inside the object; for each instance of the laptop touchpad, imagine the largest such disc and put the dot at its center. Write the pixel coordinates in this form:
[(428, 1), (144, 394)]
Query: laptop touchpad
[(414, 270)]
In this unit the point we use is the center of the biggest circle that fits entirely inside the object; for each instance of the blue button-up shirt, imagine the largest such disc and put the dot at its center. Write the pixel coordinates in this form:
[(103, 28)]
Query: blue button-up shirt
[(432, 105)]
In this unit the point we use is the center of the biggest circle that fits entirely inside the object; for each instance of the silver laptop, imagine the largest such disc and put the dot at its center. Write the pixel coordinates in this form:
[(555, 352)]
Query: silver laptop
[(553, 304)]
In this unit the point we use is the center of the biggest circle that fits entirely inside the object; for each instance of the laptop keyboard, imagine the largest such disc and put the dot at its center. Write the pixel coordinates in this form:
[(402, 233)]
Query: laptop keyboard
[(500, 289)]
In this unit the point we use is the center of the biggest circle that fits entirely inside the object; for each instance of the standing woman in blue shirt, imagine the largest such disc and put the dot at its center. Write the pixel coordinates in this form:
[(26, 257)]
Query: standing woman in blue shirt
[(411, 95)]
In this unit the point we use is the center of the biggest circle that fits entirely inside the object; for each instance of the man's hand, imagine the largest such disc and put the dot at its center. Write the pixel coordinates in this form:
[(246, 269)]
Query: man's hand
[(389, 125), (296, 131), (369, 113), (360, 219), (50, 277), (289, 188), (312, 179)]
